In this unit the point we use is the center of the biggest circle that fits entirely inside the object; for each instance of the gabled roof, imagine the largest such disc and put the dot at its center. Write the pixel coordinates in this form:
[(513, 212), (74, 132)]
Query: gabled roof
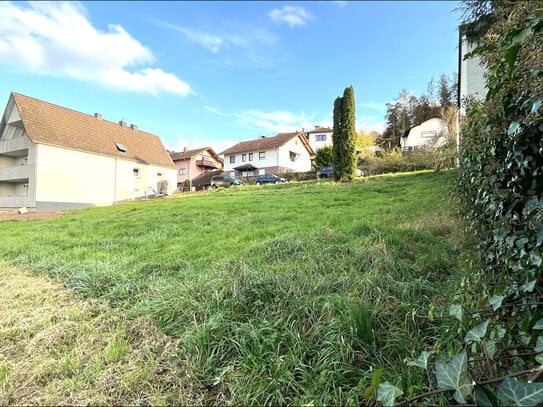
[(406, 133), (319, 129), (185, 155), (266, 143), (47, 123)]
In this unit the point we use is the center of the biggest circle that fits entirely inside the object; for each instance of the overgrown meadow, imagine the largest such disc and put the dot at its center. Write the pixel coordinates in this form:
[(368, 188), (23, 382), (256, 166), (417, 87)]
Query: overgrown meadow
[(300, 293)]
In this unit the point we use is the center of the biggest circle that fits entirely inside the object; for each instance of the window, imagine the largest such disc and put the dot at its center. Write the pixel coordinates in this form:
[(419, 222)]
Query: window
[(262, 155), (427, 134), (182, 171), (121, 147), (244, 157), (136, 172), (293, 155), (320, 137), (232, 159), (250, 156)]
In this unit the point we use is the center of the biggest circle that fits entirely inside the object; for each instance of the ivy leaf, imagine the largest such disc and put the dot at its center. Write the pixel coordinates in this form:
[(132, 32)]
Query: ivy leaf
[(496, 301), (485, 397), (477, 333), (539, 230), (539, 344), (388, 393), (490, 348), (455, 310), (514, 393), (528, 287), (453, 375), (422, 360), (513, 127), (536, 105), (538, 324)]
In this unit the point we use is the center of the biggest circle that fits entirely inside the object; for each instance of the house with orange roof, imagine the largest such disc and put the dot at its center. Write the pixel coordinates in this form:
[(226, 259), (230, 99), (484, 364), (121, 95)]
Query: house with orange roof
[(194, 163), (52, 158), (285, 152)]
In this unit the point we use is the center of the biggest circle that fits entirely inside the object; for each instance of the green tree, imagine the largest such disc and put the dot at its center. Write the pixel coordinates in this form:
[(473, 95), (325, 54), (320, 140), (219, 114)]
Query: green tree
[(323, 157), (344, 148)]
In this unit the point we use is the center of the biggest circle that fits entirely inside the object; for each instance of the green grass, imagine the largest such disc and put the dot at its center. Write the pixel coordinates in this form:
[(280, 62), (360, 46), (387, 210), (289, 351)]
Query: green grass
[(287, 294)]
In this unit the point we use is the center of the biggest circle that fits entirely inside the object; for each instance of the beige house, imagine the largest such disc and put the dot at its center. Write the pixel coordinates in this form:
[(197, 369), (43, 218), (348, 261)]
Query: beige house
[(285, 152), (54, 158), (432, 133), (194, 163)]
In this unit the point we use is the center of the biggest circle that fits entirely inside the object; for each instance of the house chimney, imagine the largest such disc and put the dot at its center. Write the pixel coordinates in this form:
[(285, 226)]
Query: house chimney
[(134, 127), (98, 116), (185, 149), (123, 124)]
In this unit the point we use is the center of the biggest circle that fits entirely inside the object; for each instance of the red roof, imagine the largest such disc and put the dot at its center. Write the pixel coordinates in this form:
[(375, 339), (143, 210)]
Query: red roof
[(266, 143), (47, 123)]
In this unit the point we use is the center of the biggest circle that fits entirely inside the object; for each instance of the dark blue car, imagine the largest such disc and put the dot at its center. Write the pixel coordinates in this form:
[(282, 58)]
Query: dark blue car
[(269, 179)]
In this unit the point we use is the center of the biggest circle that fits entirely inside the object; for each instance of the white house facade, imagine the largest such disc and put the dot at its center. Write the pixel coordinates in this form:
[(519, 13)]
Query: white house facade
[(55, 158), (320, 137), (432, 133), (286, 152)]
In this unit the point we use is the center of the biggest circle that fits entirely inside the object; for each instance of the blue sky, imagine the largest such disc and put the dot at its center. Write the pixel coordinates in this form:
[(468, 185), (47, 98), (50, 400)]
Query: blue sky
[(215, 73)]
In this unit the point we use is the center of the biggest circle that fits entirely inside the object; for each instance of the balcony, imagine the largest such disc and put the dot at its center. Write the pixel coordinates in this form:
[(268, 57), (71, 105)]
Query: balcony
[(17, 173), (208, 163), (15, 147)]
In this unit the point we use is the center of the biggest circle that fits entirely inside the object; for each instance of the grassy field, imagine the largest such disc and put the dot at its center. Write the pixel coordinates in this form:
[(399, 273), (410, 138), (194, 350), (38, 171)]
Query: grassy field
[(289, 294)]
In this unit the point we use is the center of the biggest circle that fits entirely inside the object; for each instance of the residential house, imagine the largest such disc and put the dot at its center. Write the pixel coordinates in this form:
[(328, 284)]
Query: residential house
[(319, 137), (285, 152), (471, 81), (52, 157), (432, 133), (194, 163)]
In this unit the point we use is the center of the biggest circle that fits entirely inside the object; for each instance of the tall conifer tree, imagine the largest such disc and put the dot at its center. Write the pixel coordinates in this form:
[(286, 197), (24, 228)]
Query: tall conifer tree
[(344, 148)]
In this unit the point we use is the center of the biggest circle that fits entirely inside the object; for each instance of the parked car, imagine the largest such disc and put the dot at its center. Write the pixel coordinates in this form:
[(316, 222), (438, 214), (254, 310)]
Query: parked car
[(325, 172), (225, 181), (269, 179)]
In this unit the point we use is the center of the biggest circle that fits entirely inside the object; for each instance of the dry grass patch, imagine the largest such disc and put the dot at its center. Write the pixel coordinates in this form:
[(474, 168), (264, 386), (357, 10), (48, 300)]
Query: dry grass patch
[(58, 350)]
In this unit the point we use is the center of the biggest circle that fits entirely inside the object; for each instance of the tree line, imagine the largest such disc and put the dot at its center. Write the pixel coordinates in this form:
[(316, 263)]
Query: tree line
[(407, 110)]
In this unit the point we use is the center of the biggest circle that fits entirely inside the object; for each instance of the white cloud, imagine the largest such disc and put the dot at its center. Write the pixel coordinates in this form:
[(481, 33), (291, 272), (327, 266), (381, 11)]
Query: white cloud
[(240, 35), (56, 38), (209, 41), (269, 122), (291, 15), (276, 122)]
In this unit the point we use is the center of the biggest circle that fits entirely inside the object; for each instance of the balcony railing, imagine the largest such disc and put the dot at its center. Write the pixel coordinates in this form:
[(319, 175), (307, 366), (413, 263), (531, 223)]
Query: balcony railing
[(207, 163)]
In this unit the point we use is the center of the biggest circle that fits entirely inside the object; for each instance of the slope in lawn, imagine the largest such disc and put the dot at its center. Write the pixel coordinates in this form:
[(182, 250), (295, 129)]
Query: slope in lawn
[(284, 294)]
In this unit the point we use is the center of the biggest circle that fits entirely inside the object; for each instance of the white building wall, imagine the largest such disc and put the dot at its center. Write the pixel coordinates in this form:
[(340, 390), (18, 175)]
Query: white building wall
[(432, 132), (71, 179), (315, 145), (472, 82), (271, 159), (301, 163)]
